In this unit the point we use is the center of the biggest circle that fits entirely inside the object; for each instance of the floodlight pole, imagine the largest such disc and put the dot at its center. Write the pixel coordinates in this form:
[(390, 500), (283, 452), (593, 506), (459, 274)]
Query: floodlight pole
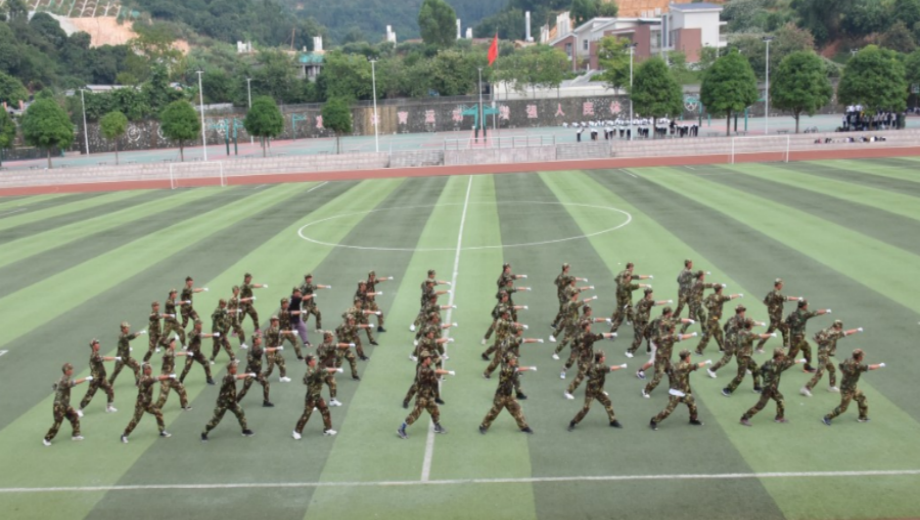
[(632, 51), (204, 142), (481, 126), (249, 93), (766, 96), (85, 130), (374, 85)]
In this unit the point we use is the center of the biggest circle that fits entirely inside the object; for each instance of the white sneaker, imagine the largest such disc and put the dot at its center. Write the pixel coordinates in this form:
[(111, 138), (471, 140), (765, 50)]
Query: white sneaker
[(412, 328), (165, 434), (562, 375), (413, 358), (124, 439), (834, 389), (711, 373), (296, 435), (284, 379), (110, 409), (211, 361), (445, 357), (244, 346), (483, 342), (77, 438), (805, 391), (157, 350), (555, 356), (605, 393), (46, 442), (645, 394), (79, 413), (335, 402), (330, 432), (568, 395), (748, 372), (759, 351), (629, 354), (552, 339)]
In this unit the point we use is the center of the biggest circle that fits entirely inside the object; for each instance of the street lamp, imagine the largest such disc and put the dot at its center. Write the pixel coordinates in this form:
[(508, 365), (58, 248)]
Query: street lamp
[(480, 103), (374, 84), (85, 131), (249, 94), (204, 142), (632, 52), (766, 96)]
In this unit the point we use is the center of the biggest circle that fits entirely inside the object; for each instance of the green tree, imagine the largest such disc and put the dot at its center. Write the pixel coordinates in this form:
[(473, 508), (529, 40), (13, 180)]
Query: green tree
[(180, 122), (582, 11), (907, 11), (912, 68), (729, 87), (608, 8), (337, 117), (437, 23), (898, 38), (11, 90), (46, 125), (613, 59), (264, 120), (114, 125), (7, 132), (800, 85), (874, 78), (655, 93)]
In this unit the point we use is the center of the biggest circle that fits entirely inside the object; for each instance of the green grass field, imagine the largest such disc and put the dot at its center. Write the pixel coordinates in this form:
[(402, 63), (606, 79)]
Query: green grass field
[(842, 233)]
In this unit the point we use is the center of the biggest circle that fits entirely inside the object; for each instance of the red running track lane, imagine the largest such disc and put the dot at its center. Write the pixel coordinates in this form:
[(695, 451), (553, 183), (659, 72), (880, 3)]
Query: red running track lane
[(594, 164)]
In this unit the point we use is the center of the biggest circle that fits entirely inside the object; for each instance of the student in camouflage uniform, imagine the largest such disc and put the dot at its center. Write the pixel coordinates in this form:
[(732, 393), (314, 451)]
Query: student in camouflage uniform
[(275, 356), (124, 352), (348, 333), (171, 383), (744, 352), (431, 309), (796, 322), (504, 303), (427, 291), (145, 403), (502, 330), (585, 354), (569, 322), (435, 348), (234, 309), (643, 312), (680, 392), (511, 344), (360, 315), (625, 288), (286, 322), (827, 348), (370, 301), (188, 311), (712, 328), (597, 375), (62, 408), (254, 366), (427, 381), (732, 327), (695, 299), (665, 346), (851, 369), (511, 289), (434, 325), (309, 306), (314, 378), (97, 369), (246, 299), (507, 276), (574, 352), (771, 371), (774, 301), (562, 282), (227, 400), (656, 329), (684, 282), (505, 395), (194, 353), (220, 324), (328, 353), (153, 331), (170, 323)]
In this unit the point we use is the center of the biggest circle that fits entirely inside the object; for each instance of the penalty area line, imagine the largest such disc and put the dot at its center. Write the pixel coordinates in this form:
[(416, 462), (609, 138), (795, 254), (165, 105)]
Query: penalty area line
[(473, 481)]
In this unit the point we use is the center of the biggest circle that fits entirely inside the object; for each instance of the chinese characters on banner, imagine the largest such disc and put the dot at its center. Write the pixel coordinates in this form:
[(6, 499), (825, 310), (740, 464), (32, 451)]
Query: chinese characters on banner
[(319, 122), (403, 117), (587, 108), (532, 111)]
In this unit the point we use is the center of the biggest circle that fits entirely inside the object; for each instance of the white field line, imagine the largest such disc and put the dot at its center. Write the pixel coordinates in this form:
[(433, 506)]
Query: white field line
[(474, 481), (429, 443), (13, 212), (631, 174), (2, 352)]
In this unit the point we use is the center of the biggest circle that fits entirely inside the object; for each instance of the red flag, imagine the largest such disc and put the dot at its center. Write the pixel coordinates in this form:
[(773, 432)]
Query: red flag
[(493, 50)]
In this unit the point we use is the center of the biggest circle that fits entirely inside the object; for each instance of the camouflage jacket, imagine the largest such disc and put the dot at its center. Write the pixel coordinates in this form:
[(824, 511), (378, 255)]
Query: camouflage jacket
[(643, 311), (696, 290), (153, 324), (679, 376), (731, 328), (169, 361), (227, 394), (284, 319), (220, 320), (797, 319), (326, 354), (714, 304), (272, 337), (570, 312), (170, 309), (194, 341), (96, 365), (314, 378), (851, 370), (145, 390), (186, 295), (744, 344), (427, 380), (586, 342), (233, 304), (684, 281), (62, 391), (346, 334), (827, 340), (507, 381), (371, 287), (246, 291), (774, 301), (624, 292), (503, 279), (665, 346), (124, 344), (562, 281), (305, 290), (254, 359), (771, 371), (597, 376)]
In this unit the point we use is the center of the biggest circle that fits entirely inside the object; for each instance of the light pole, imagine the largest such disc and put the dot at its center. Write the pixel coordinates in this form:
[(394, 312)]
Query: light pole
[(480, 102), (204, 142), (85, 130), (766, 96), (632, 52), (249, 94), (374, 85)]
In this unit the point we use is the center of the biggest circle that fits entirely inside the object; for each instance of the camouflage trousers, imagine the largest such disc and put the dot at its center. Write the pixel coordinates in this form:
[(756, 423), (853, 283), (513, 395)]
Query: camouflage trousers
[(559, 315), (714, 331), (152, 344), (237, 326), (188, 314), (765, 396), (172, 384), (305, 313), (571, 331), (96, 384), (696, 313), (350, 357), (170, 326), (584, 363), (292, 338), (414, 389), (260, 378), (683, 298), (673, 401), (371, 305), (624, 310), (276, 359), (129, 361), (320, 404), (505, 402), (424, 403), (190, 358), (800, 344), (661, 366), (221, 409), (640, 329), (845, 398), (824, 363), (776, 323), (499, 339), (249, 310), (224, 342), (745, 363), (139, 410), (333, 388), (362, 320), (727, 355), (62, 412), (590, 397), (573, 357)]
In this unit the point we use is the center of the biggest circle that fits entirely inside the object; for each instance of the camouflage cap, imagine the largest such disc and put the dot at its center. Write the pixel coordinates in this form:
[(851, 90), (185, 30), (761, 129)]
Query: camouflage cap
[(778, 352), (748, 322), (431, 272), (648, 290), (285, 300), (274, 318), (295, 289), (585, 323), (66, 367), (565, 266), (586, 307), (667, 310), (358, 299), (700, 273), (858, 353), (740, 308), (222, 302), (308, 358), (687, 262), (433, 315), (777, 281), (198, 322), (327, 334), (803, 303), (247, 275), (234, 362), (599, 354), (189, 279), (371, 273), (257, 335), (517, 329), (146, 366), (509, 357), (424, 354), (125, 325), (154, 304), (838, 323), (93, 341), (172, 292), (506, 265), (308, 275), (236, 288), (362, 282), (684, 353)]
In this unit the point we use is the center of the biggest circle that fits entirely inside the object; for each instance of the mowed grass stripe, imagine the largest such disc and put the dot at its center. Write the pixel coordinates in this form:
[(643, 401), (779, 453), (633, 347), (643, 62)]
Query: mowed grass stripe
[(870, 221), (35, 257), (900, 168), (655, 250), (857, 175), (68, 208), (272, 455), (28, 202), (692, 215)]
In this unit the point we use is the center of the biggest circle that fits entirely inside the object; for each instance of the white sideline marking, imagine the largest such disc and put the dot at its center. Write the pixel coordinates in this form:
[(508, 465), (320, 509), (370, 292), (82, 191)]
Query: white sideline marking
[(690, 168), (317, 186), (13, 212), (631, 174), (459, 482), (429, 443), (2, 352)]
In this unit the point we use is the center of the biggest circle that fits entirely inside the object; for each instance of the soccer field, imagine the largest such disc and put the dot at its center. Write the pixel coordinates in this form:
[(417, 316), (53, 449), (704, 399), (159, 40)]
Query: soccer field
[(841, 233)]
